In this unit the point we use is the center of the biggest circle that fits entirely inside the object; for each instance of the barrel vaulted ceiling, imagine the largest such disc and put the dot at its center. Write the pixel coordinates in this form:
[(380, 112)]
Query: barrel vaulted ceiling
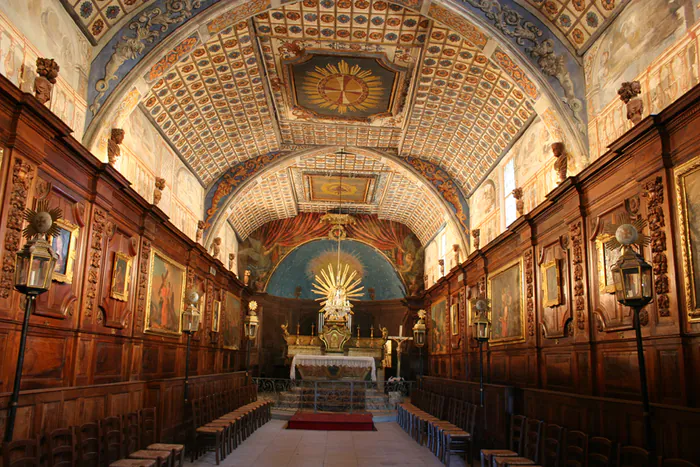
[(452, 84)]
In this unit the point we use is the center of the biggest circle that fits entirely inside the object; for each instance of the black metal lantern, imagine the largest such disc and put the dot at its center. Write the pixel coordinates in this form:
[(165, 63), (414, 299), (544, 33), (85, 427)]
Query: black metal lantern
[(482, 326), (251, 321), (419, 330), (632, 277), (34, 267), (191, 315)]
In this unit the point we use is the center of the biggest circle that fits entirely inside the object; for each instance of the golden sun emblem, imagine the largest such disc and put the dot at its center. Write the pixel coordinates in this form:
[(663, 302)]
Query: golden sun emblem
[(343, 88)]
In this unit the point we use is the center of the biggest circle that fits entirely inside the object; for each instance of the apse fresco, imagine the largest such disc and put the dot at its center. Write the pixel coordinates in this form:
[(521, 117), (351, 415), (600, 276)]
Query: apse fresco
[(263, 250), (294, 275)]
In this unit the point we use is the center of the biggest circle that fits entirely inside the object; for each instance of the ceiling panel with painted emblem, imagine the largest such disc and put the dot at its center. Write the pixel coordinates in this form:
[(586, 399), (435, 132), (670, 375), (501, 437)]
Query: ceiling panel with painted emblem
[(357, 183)]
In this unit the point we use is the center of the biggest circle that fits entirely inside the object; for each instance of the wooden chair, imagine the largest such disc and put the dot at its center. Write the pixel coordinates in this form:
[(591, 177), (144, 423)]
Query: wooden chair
[(517, 438), (552, 446), (89, 444), (576, 449), (600, 452), (62, 451), (112, 439), (676, 463), (21, 453), (133, 463), (633, 456), (150, 441), (461, 439), (531, 447), (205, 433)]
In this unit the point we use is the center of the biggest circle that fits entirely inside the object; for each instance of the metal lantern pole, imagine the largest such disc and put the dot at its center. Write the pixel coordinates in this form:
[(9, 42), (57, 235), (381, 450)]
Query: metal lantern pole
[(646, 407), (481, 373), (14, 398), (187, 369)]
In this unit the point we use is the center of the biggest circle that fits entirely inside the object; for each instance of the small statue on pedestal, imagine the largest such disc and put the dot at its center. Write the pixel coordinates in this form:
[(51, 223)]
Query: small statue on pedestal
[(246, 277), (200, 231), (158, 190), (216, 247), (519, 203), (113, 150), (47, 69), (476, 233), (441, 264), (559, 151), (455, 249), (231, 259), (629, 94)]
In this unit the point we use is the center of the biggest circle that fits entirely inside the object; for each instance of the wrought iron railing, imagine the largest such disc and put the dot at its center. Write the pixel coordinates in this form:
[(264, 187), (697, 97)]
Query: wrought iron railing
[(334, 396)]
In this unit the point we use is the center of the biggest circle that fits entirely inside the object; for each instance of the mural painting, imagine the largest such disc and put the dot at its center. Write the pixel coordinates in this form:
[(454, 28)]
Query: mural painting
[(438, 335), (166, 292), (688, 199), (644, 29), (230, 322), (293, 276), (262, 251), (485, 201), (506, 295)]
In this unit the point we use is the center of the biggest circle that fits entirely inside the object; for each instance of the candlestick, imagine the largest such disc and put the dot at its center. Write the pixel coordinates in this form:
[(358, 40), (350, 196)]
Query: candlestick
[(298, 328), (358, 331), (371, 332), (400, 329), (313, 328)]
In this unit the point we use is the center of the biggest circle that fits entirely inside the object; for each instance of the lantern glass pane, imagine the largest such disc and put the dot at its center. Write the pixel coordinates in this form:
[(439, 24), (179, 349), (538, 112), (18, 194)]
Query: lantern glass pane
[(40, 270), (646, 283), (632, 282), (22, 270)]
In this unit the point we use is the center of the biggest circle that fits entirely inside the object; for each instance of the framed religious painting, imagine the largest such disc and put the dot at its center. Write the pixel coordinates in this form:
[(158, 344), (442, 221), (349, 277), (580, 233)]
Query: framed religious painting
[(688, 204), (551, 284), (166, 293), (606, 258), (507, 304), (121, 274), (216, 316), (437, 332), (231, 322), (454, 319), (65, 244)]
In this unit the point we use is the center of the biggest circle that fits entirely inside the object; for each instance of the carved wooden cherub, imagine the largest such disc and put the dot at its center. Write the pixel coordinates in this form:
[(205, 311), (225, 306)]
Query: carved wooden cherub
[(285, 329), (47, 69), (385, 333), (158, 190), (629, 94), (113, 150), (560, 166)]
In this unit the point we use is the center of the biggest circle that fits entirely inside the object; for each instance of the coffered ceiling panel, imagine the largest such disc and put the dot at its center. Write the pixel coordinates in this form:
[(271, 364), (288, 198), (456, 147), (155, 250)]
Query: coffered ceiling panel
[(212, 106), (466, 111)]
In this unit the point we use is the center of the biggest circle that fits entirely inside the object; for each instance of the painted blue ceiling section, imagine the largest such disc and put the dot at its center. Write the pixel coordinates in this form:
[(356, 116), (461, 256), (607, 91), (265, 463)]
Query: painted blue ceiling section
[(504, 19), (296, 269)]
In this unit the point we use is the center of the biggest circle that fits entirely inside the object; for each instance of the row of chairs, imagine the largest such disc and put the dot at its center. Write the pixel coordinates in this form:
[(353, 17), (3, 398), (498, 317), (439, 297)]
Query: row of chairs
[(118, 441), (224, 420), (444, 433), (534, 443)]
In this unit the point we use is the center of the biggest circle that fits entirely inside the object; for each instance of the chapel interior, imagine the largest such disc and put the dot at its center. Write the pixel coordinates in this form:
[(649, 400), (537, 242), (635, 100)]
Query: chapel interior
[(350, 233)]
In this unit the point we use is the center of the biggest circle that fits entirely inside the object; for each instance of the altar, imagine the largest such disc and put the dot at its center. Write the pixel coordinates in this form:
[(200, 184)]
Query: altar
[(341, 367)]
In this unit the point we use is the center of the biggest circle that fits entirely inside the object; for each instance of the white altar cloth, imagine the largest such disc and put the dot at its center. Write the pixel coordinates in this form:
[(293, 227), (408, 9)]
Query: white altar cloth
[(332, 360)]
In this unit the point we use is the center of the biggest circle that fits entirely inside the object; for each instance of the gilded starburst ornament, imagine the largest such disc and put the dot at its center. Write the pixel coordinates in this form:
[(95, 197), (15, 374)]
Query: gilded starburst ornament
[(343, 88), (626, 232), (253, 305), (336, 288), (42, 221), (480, 305)]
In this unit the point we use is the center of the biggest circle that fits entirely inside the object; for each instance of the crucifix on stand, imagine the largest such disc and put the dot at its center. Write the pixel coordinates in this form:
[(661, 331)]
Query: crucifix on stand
[(399, 340)]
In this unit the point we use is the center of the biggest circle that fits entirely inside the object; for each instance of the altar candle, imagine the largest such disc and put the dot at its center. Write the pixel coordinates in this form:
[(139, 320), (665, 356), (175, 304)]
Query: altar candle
[(400, 330)]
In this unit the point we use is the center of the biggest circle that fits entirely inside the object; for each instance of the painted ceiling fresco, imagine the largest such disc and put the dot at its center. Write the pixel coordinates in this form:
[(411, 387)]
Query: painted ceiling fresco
[(251, 82), (380, 187)]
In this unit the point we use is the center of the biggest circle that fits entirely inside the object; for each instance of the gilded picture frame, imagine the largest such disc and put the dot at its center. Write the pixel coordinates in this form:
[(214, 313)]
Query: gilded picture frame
[(167, 319), (687, 178), (506, 287), (216, 316), (121, 277), (551, 284), (65, 245), (606, 258), (454, 319)]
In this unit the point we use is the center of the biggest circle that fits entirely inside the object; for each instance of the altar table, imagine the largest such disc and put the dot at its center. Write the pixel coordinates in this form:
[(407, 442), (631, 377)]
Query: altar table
[(332, 360)]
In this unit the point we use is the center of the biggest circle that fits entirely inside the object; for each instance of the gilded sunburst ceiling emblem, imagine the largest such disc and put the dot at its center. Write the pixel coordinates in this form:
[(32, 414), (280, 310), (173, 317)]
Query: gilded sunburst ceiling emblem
[(343, 88)]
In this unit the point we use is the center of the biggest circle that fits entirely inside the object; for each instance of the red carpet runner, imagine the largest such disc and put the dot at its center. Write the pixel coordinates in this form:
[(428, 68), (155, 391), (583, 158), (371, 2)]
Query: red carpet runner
[(331, 421)]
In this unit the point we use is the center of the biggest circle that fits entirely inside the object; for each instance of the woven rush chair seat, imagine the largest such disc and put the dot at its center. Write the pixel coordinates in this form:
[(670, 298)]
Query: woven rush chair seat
[(161, 458), (488, 454), (506, 461), (133, 463)]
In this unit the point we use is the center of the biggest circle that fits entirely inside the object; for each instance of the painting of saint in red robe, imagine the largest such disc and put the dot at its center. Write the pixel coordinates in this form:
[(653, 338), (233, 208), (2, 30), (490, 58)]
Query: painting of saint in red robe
[(166, 293)]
